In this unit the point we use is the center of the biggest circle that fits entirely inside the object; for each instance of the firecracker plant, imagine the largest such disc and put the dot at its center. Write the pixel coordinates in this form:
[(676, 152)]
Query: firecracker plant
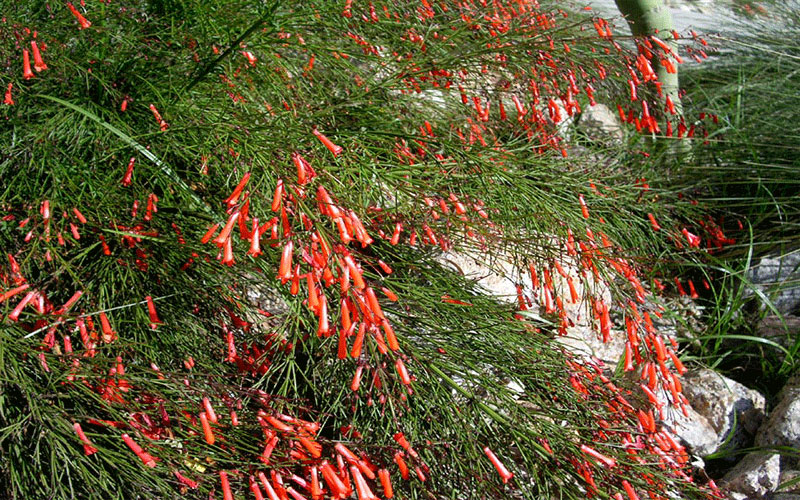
[(225, 236)]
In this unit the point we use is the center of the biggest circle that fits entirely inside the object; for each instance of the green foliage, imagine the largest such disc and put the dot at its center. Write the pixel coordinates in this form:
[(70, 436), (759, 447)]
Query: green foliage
[(747, 172), (197, 98)]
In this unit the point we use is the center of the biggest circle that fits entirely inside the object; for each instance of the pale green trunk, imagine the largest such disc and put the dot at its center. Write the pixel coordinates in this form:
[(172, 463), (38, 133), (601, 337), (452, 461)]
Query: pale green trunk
[(653, 18)]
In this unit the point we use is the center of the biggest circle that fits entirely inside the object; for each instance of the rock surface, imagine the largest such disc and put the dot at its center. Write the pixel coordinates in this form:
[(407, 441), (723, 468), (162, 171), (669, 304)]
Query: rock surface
[(733, 411), (499, 278), (754, 477), (779, 278), (599, 123), (782, 428), (722, 414), (790, 475), (694, 430), (783, 330)]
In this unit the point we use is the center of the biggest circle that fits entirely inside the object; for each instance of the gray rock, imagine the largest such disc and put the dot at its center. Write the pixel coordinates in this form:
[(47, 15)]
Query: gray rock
[(694, 430), (499, 275), (787, 476), (599, 123), (779, 278), (791, 389), (733, 411), (782, 330), (755, 476), (782, 428)]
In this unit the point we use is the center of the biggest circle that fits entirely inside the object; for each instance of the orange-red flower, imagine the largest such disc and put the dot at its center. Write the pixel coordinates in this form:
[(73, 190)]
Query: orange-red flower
[(81, 20)]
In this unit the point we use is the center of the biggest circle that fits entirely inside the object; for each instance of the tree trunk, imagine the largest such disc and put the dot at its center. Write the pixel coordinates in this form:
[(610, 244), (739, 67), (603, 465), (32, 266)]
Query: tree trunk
[(652, 18)]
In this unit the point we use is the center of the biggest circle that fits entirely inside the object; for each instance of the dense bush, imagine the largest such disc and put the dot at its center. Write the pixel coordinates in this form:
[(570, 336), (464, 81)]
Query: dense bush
[(226, 227)]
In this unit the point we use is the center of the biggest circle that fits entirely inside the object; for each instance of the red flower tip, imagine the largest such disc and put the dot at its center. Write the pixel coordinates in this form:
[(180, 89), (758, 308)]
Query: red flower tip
[(38, 62), (8, 100), (505, 475), (81, 20), (27, 73), (333, 148), (128, 177)]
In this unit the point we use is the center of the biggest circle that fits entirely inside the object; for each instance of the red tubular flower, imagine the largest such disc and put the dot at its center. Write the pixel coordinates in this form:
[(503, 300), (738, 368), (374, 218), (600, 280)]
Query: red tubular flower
[(224, 235), (337, 487), (145, 457), (692, 290), (301, 164), (677, 362), (212, 415), (185, 480), (38, 62), (207, 237), (632, 86), (81, 20), (152, 199), (362, 488), (359, 341), (629, 490), (8, 100), (10, 293), (323, 327), (88, 449), (271, 494), (505, 475), (225, 485), (333, 148), (251, 58), (346, 453), (278, 196), (584, 209), (285, 268), (653, 222), (400, 438), (390, 336), (151, 310), (389, 294), (109, 335), (27, 73), (607, 461), (402, 371), (386, 482), (628, 357), (547, 298), (670, 105), (398, 228), (208, 433), (314, 448), (679, 286), (128, 177), (255, 489), (79, 216), (518, 105), (374, 306), (605, 322), (316, 491), (692, 239), (234, 197), (163, 125), (255, 240), (401, 464)]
